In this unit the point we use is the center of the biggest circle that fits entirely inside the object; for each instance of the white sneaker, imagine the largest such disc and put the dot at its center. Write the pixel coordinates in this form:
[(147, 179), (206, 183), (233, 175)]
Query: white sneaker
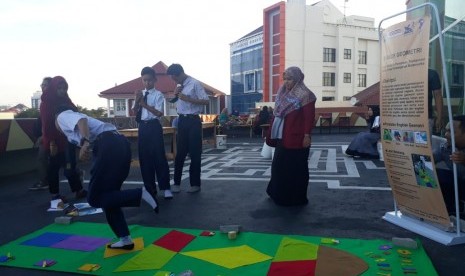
[(168, 194), (175, 188), (194, 189)]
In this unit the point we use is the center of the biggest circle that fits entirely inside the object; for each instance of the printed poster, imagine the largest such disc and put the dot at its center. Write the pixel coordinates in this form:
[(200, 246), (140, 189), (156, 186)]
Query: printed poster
[(404, 121)]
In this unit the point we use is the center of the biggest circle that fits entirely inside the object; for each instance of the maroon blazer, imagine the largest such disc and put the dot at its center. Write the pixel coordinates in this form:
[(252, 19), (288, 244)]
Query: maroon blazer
[(296, 124)]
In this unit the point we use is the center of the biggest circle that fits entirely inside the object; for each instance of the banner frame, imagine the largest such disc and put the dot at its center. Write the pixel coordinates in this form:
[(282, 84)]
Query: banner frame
[(411, 223)]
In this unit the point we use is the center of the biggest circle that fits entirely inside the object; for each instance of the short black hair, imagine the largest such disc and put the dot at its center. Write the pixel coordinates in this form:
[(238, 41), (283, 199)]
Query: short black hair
[(175, 70), (461, 119), (47, 79), (148, 71)]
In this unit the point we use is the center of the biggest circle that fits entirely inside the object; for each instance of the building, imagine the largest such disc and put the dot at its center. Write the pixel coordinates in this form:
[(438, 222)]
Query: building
[(246, 56), (120, 98), (339, 55), (36, 99)]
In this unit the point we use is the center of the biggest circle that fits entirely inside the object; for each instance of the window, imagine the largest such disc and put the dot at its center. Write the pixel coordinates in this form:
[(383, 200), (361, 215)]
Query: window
[(347, 78), (327, 99), (329, 54), (119, 105), (329, 79), (249, 82), (362, 57), (457, 74), (258, 80), (347, 54), (346, 98), (362, 80)]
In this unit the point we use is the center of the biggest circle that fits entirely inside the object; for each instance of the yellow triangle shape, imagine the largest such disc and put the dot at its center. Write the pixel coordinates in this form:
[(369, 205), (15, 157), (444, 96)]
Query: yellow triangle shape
[(17, 138)]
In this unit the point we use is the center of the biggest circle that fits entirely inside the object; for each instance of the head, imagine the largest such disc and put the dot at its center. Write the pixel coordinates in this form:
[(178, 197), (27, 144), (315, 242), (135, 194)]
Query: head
[(265, 108), (148, 77), (373, 110), (459, 131), (176, 72), (292, 76), (45, 83), (58, 88)]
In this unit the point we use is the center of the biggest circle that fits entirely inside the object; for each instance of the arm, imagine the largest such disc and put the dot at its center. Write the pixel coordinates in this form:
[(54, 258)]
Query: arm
[(85, 152), (438, 102), (200, 97), (139, 98), (152, 109), (309, 120)]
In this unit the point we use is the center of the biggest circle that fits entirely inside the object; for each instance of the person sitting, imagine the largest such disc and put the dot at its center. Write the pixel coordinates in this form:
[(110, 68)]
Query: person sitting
[(365, 143), (444, 158), (262, 118)]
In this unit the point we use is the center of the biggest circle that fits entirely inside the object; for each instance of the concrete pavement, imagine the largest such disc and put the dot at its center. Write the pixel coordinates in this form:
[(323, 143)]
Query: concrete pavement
[(347, 198)]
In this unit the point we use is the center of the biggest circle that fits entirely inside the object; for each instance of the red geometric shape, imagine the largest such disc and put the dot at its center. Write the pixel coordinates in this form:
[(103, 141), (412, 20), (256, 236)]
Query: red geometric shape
[(174, 240), (294, 268)]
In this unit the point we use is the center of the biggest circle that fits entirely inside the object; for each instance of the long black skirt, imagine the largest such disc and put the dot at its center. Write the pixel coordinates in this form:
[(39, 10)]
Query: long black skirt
[(289, 176)]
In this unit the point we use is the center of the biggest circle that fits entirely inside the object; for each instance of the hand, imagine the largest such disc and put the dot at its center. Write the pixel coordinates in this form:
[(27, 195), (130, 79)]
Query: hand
[(53, 149), (307, 141), (85, 153), (183, 97), (458, 157)]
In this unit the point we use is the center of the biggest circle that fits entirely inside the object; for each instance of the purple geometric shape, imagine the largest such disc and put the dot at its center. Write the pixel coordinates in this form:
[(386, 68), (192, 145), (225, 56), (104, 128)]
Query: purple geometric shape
[(81, 243), (46, 239)]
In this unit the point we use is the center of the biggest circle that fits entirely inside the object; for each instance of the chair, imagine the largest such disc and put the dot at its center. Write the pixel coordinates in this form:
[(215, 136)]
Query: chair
[(343, 122), (326, 121)]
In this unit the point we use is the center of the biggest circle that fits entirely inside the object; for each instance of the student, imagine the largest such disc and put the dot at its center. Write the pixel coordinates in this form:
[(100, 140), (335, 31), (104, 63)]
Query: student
[(111, 155), (42, 155), (62, 154), (152, 155), (191, 101)]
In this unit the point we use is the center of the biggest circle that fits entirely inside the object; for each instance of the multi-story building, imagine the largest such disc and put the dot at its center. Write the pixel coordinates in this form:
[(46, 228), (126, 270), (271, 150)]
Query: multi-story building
[(35, 99), (247, 71), (339, 55), (452, 24)]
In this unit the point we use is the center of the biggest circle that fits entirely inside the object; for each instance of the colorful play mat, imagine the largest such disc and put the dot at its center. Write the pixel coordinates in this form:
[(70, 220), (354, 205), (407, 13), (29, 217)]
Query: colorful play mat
[(81, 248)]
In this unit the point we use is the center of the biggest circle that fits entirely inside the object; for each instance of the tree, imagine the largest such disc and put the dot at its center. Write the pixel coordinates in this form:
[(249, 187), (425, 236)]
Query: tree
[(95, 113), (28, 113)]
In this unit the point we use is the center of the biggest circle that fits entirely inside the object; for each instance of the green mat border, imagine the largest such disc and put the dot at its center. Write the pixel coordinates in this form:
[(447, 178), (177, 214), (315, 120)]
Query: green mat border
[(69, 261)]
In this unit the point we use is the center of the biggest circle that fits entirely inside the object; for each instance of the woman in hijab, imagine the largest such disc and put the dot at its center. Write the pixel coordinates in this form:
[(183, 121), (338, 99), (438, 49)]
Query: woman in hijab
[(365, 144), (62, 154), (290, 133)]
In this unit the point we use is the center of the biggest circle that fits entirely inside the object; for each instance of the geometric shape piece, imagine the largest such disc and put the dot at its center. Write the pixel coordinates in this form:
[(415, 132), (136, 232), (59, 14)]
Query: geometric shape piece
[(174, 240), (89, 267), (138, 246), (230, 257), (81, 243), (46, 239), (333, 261), (294, 268), (152, 257), (17, 138), (45, 263), (295, 250)]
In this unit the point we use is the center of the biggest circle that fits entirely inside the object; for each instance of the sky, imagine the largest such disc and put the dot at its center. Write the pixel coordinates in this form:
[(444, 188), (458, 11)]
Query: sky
[(96, 44)]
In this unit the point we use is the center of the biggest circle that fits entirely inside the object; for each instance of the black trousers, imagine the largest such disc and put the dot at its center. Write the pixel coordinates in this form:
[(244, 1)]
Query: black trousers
[(152, 156), (111, 163), (67, 161), (446, 181), (188, 141)]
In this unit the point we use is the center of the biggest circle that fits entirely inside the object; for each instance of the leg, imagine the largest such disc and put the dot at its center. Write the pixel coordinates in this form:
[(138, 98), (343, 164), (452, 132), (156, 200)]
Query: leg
[(182, 145), (195, 151), (71, 171), (146, 156), (161, 164)]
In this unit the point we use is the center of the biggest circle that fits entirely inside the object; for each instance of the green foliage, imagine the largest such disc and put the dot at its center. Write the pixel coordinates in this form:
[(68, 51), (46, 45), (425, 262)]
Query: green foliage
[(28, 113), (95, 113)]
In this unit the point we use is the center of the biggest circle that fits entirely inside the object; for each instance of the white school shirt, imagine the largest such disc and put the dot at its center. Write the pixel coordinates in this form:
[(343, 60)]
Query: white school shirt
[(68, 120), (156, 100), (194, 89)]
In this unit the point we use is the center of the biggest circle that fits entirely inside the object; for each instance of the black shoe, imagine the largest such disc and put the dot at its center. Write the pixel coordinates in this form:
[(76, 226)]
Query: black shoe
[(39, 186), (124, 247)]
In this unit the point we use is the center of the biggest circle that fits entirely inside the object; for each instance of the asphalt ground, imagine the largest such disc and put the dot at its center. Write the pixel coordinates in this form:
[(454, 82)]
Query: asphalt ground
[(347, 199)]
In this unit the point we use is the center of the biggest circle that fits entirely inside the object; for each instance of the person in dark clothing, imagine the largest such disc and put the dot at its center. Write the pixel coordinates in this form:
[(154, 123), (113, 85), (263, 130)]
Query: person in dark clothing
[(262, 118), (365, 144)]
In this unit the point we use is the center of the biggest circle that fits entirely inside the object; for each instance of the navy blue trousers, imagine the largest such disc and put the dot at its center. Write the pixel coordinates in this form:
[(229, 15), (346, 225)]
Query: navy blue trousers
[(67, 161), (112, 160), (188, 141), (152, 156)]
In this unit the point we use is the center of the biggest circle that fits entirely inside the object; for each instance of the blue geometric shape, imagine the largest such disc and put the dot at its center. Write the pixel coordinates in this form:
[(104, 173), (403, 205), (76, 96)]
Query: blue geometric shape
[(47, 239)]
